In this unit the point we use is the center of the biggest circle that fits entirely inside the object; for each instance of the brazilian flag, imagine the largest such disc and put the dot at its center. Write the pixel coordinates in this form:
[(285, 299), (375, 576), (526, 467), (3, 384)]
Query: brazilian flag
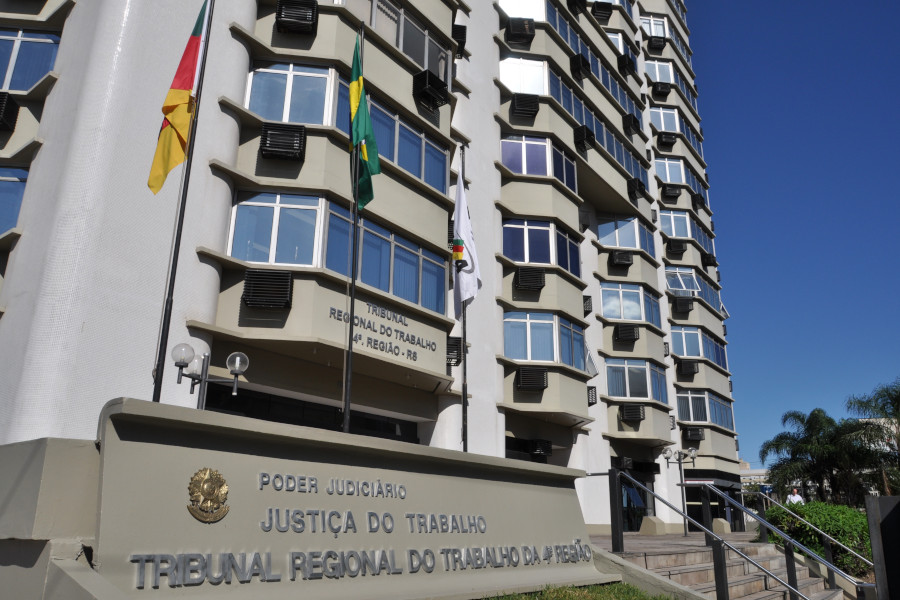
[(361, 134)]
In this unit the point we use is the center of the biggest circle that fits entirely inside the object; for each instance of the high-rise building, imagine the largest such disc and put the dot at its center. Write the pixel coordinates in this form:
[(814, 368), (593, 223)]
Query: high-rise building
[(597, 339)]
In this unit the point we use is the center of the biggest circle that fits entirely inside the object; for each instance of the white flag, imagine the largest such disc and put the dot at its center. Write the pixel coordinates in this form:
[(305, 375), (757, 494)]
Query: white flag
[(467, 277)]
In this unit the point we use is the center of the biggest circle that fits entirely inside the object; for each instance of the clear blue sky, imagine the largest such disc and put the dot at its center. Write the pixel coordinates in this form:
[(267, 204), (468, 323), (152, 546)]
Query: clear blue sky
[(801, 116)]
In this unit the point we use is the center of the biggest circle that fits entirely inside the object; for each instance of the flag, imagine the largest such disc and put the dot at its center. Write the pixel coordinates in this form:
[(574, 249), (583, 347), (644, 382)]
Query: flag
[(361, 134), (467, 278), (178, 108)]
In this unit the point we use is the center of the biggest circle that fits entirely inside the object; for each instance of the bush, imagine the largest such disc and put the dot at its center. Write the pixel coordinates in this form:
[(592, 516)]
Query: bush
[(614, 591), (845, 524)]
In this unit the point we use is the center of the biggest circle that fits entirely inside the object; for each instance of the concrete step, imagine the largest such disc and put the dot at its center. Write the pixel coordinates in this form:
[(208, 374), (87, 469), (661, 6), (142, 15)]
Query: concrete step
[(664, 559), (690, 575), (782, 594), (747, 585)]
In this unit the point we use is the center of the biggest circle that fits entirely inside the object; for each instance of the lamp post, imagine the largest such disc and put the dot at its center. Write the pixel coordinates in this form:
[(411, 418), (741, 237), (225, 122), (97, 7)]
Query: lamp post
[(681, 457), (196, 368)]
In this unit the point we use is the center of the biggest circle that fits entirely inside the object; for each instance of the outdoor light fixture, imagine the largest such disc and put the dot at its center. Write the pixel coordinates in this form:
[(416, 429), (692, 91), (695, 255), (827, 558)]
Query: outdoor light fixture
[(196, 368), (681, 457)]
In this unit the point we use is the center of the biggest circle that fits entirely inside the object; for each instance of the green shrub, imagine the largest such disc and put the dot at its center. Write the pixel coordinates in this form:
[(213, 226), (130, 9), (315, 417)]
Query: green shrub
[(845, 524)]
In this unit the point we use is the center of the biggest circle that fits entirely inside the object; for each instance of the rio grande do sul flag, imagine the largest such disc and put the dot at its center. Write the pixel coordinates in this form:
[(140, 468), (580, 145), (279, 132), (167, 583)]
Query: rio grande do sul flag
[(467, 276), (178, 108)]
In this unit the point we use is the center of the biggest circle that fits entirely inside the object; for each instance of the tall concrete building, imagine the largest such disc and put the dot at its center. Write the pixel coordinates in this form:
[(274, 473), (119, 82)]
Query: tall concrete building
[(597, 339)]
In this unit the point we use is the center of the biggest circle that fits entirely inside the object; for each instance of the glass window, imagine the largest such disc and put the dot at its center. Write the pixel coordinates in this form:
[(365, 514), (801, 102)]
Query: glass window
[(25, 57), (670, 170), (692, 406), (635, 379), (626, 232), (292, 93), (571, 344), (530, 336), (628, 302), (409, 147), (523, 76), (12, 189), (275, 228), (529, 241), (416, 42)]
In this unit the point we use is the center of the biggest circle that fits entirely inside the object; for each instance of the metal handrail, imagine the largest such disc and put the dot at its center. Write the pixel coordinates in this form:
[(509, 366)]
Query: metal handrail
[(814, 555), (795, 515), (714, 535)]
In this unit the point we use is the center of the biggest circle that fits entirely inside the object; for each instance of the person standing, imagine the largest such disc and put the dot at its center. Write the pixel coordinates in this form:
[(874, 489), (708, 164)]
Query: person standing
[(794, 497)]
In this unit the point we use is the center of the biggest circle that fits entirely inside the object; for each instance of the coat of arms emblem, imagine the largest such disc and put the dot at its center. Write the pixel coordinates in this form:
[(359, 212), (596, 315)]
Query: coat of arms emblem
[(208, 493)]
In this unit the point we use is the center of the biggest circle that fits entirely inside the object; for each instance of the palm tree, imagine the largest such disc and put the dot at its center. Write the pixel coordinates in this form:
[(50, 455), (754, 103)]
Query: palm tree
[(820, 450), (881, 411)]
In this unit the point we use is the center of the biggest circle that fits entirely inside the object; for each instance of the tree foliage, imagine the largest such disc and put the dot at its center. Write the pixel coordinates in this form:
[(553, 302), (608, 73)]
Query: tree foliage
[(880, 411)]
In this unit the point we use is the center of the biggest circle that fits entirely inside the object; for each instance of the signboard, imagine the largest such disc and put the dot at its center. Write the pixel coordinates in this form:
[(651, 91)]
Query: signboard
[(197, 504)]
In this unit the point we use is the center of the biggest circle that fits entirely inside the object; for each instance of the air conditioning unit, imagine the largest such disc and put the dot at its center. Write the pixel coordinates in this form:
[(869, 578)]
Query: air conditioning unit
[(283, 141), (666, 138), (724, 329), (636, 188), (540, 447), (297, 16), (670, 191), (694, 434), (592, 395), (579, 66), (532, 379), (657, 43), (626, 65), (683, 304), (630, 124), (688, 367), (525, 105), (672, 423), (627, 332), (458, 33), (602, 11), (676, 246), (621, 258), (265, 288), (584, 137), (9, 112), (708, 259), (631, 412), (698, 201), (430, 90), (661, 89), (588, 302), (577, 6), (529, 278), (454, 350), (519, 31)]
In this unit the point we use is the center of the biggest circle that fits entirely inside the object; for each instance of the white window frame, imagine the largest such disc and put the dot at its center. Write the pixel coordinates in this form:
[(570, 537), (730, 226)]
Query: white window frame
[(321, 208), (664, 111), (18, 39), (655, 72), (666, 167), (513, 75), (330, 100)]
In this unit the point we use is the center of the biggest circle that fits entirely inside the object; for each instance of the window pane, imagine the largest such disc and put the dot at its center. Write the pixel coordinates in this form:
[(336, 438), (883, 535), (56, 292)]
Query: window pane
[(684, 408), (631, 304), (512, 155), (514, 339), (296, 235), (433, 293), (34, 61), (574, 260), (376, 261), (539, 245), (514, 243), (699, 405), (414, 42), (612, 305), (637, 382), (6, 48), (435, 167), (542, 341), (615, 381), (252, 232), (578, 350), (606, 231), (406, 274), (627, 236), (308, 100), (565, 345), (691, 343), (342, 118), (383, 126), (11, 193), (337, 257), (437, 60), (562, 251), (410, 155), (536, 159), (267, 95)]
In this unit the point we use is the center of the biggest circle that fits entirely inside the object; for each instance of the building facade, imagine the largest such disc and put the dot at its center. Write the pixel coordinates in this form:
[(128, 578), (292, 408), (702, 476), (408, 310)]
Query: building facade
[(597, 339)]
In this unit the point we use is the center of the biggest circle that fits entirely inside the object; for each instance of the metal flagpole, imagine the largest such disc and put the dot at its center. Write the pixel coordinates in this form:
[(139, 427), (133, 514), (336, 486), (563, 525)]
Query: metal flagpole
[(465, 378), (173, 266), (348, 368)]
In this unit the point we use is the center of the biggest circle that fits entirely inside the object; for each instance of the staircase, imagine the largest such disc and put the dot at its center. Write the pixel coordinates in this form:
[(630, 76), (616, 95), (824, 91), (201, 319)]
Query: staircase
[(693, 567)]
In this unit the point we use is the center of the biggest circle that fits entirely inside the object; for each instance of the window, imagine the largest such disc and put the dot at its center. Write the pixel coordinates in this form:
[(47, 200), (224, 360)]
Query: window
[(537, 156), (692, 406), (636, 379), (691, 341), (409, 147), (530, 336), (675, 223), (318, 96), (659, 26), (387, 261), (276, 228), (12, 188), (669, 119), (529, 241), (665, 72), (626, 232), (682, 281), (604, 135), (629, 302), (25, 57), (524, 76), (673, 170)]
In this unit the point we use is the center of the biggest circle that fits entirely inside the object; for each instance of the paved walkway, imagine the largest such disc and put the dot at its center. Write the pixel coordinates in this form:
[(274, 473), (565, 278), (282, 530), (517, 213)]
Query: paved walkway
[(635, 542)]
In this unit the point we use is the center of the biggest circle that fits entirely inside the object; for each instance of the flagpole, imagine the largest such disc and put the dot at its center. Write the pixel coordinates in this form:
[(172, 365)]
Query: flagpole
[(176, 244), (465, 378), (348, 363)]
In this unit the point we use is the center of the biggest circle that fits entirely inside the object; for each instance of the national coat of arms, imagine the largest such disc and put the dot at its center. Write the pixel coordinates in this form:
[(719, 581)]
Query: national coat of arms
[(208, 493)]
